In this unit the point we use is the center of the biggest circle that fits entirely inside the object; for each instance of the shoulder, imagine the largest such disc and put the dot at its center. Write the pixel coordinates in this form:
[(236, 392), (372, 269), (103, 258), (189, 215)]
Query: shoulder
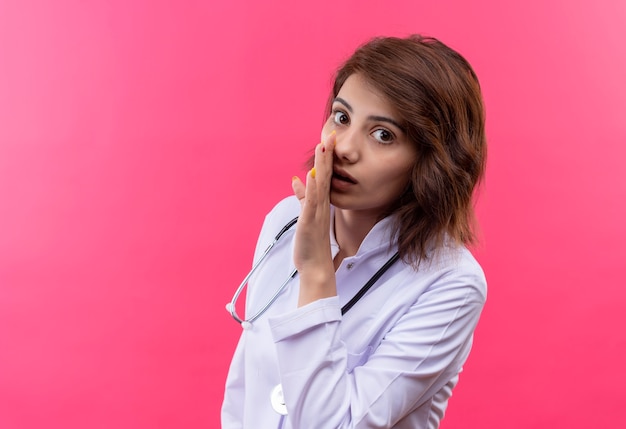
[(282, 213), (286, 209), (456, 267)]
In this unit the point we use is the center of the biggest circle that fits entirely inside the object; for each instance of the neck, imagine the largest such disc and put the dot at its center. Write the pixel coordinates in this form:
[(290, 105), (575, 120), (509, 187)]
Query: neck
[(351, 228)]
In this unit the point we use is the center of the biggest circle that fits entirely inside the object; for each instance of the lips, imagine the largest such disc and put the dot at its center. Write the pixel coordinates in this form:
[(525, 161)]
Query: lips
[(343, 176)]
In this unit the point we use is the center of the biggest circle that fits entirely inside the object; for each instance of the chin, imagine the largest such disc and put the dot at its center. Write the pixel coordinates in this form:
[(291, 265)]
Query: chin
[(338, 200), (346, 203)]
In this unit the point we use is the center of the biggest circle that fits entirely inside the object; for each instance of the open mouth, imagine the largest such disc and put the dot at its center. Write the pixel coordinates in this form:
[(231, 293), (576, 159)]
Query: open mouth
[(343, 178)]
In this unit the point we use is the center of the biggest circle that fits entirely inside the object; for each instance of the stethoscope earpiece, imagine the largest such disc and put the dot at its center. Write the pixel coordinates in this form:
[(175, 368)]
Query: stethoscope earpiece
[(246, 325)]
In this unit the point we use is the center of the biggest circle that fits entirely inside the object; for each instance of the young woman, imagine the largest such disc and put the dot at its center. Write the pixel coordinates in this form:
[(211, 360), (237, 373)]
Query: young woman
[(373, 329)]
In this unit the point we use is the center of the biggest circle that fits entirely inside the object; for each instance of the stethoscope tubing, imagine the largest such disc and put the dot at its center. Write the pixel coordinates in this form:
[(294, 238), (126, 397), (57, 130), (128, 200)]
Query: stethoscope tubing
[(230, 307)]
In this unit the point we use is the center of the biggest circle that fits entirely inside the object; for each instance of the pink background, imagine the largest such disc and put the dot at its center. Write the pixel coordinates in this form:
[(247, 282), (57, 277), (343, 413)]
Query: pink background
[(142, 142)]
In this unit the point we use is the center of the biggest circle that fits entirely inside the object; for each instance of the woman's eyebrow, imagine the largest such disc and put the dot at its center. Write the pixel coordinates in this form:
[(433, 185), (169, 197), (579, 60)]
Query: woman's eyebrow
[(385, 119), (371, 118), (344, 102)]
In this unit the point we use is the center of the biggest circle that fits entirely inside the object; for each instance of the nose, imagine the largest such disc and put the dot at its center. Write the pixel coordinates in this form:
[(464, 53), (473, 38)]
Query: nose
[(347, 145)]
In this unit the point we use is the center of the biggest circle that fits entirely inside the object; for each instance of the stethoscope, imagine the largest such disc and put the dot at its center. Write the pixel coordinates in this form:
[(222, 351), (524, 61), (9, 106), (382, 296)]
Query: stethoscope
[(276, 396), (230, 307), (247, 323)]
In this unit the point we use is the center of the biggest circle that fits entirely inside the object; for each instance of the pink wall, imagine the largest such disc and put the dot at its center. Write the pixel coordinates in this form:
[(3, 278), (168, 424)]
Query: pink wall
[(141, 143)]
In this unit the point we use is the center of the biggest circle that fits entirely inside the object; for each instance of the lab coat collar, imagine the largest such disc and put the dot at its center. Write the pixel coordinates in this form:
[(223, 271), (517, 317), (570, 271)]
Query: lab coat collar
[(379, 236)]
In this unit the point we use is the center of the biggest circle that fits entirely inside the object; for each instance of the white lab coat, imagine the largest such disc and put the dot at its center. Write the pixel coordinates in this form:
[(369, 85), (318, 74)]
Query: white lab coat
[(390, 362)]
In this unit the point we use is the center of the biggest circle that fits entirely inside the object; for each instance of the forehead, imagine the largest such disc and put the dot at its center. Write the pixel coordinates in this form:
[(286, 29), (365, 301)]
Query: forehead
[(365, 98)]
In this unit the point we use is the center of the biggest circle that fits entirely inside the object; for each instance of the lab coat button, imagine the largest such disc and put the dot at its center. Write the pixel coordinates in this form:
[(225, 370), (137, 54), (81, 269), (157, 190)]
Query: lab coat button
[(278, 401), (350, 265)]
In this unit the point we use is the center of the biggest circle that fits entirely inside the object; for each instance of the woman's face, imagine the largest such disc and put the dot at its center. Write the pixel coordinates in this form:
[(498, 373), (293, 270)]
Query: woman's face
[(373, 157)]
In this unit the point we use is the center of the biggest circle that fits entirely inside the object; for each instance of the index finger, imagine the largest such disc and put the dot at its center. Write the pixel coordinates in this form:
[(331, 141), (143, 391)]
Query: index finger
[(324, 153)]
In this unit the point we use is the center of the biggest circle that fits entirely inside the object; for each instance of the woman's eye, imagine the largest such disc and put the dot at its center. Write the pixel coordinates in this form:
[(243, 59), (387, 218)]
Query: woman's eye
[(340, 118), (383, 136)]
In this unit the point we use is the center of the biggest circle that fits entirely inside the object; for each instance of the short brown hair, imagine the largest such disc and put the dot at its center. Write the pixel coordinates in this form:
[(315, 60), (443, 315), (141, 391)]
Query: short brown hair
[(437, 98)]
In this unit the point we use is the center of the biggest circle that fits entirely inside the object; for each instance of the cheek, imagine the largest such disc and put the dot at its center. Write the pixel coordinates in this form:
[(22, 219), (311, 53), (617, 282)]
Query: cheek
[(401, 181), (326, 130)]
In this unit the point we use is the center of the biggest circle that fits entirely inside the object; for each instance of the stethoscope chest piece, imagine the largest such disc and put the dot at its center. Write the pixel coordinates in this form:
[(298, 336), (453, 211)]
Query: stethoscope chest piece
[(278, 401)]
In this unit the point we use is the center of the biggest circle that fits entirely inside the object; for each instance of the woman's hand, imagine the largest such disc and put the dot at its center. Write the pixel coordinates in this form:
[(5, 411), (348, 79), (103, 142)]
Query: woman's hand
[(312, 255)]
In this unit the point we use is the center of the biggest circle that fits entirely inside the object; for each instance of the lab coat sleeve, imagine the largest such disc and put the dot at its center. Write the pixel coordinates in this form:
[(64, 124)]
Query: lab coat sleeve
[(234, 392), (419, 355), (234, 395)]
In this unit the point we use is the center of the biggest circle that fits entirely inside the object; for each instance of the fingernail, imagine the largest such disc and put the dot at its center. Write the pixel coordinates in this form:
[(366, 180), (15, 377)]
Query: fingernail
[(313, 172), (294, 178)]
